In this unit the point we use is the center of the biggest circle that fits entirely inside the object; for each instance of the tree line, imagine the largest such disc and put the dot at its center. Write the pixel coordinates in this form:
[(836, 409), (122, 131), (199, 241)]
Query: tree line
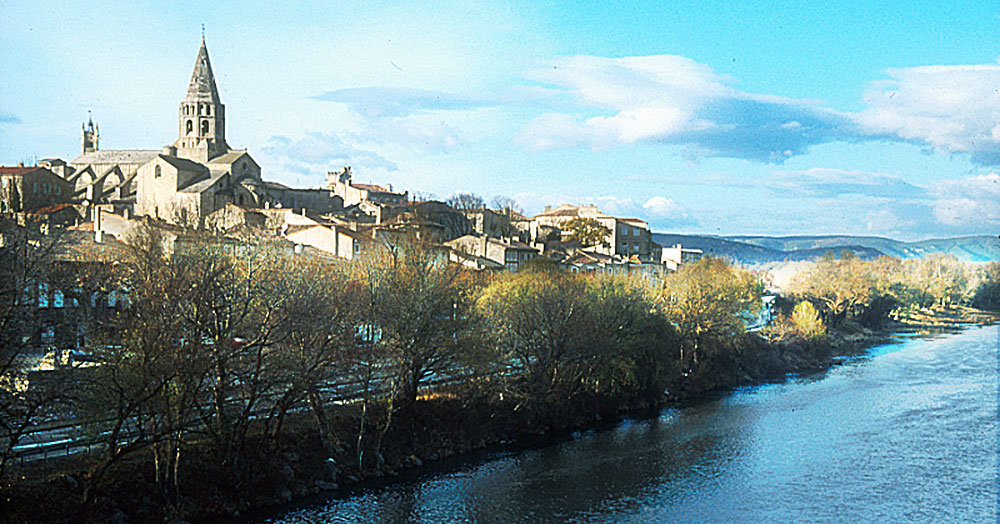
[(844, 291), (223, 343)]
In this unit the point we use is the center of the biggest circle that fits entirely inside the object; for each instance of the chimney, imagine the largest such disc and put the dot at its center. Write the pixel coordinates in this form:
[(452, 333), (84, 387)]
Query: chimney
[(20, 164), (547, 209)]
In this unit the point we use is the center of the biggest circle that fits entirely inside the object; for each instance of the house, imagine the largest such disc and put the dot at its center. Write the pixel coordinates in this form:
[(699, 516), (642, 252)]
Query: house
[(512, 254), (676, 256), (339, 184), (629, 236), (30, 188), (336, 240)]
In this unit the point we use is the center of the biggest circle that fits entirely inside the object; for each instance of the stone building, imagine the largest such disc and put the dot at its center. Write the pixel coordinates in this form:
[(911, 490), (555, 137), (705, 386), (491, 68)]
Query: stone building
[(189, 179), (30, 188), (339, 182), (629, 236), (510, 253)]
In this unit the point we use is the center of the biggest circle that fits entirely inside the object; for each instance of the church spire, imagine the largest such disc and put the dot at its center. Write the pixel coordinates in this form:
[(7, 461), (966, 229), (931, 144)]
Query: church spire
[(202, 87), (202, 116)]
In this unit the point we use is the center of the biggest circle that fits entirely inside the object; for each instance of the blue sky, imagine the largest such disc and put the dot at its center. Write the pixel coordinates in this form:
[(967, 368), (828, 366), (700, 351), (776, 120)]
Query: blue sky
[(783, 118)]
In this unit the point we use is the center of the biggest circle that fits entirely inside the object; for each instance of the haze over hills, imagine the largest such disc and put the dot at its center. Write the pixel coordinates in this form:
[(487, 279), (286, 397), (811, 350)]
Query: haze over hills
[(763, 249), (971, 249)]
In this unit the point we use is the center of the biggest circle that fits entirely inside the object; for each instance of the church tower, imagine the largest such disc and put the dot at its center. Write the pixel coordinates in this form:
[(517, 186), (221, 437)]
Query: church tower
[(90, 136), (202, 117)]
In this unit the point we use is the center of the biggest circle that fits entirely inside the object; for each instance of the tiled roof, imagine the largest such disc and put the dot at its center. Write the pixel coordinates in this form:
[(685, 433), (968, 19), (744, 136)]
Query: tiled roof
[(52, 209), (18, 170)]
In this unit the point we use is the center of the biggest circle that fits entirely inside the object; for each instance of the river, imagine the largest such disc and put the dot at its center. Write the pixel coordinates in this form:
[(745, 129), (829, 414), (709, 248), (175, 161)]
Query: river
[(904, 433)]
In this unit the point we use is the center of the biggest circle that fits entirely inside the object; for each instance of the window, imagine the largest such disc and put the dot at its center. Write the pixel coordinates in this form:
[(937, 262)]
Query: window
[(58, 190), (157, 171), (190, 127), (204, 127), (57, 298), (48, 335), (112, 299), (43, 295), (34, 187)]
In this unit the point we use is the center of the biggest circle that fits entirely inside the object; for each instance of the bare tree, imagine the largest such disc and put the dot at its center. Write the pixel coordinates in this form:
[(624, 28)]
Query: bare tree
[(27, 268), (465, 201)]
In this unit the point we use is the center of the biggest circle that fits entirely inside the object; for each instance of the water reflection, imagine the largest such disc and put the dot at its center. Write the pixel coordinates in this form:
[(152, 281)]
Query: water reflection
[(906, 434)]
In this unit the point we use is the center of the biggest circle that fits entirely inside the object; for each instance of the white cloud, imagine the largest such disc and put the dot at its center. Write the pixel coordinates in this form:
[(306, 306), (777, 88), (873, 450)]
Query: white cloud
[(675, 100), (317, 153), (950, 108), (663, 207), (972, 204), (829, 182)]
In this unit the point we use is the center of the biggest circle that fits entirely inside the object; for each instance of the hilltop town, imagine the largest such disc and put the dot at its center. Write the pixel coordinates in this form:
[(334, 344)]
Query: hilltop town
[(199, 183)]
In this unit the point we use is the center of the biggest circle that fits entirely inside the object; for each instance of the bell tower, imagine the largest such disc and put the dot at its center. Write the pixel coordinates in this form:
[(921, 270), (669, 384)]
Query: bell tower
[(91, 135), (202, 116)]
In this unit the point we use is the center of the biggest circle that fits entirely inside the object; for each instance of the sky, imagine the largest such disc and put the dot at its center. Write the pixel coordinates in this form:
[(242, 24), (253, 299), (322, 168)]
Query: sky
[(709, 117)]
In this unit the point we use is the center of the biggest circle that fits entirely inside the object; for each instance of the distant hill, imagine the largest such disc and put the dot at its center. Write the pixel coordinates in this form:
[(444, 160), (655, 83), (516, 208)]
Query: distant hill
[(761, 249), (975, 248), (756, 253)]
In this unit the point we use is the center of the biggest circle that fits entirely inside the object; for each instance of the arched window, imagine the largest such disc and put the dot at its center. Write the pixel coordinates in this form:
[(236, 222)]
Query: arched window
[(204, 127), (190, 127), (208, 110), (157, 172)]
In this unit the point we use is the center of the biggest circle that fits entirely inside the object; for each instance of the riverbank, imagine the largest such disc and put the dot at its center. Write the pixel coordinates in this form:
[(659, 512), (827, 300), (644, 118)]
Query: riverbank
[(449, 424)]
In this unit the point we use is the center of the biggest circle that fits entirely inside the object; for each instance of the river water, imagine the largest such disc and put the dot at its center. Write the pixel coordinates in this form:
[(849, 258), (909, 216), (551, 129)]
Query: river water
[(905, 433)]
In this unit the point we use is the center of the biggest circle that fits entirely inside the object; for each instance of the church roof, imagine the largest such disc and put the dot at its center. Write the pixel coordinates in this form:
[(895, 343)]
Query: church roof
[(182, 164), (202, 87), (119, 156), (228, 158), (203, 184)]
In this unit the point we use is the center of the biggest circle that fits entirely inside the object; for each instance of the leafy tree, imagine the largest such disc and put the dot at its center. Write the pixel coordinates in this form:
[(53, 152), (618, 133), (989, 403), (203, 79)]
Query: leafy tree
[(587, 231), (987, 289), (843, 285), (708, 301), (806, 320), (635, 344), (543, 329)]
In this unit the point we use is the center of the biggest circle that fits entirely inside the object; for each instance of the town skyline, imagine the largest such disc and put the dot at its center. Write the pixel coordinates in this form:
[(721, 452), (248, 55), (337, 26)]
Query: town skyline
[(742, 120)]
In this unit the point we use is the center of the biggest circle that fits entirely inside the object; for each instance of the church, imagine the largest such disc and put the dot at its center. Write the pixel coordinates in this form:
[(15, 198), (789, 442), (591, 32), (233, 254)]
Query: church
[(189, 179)]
